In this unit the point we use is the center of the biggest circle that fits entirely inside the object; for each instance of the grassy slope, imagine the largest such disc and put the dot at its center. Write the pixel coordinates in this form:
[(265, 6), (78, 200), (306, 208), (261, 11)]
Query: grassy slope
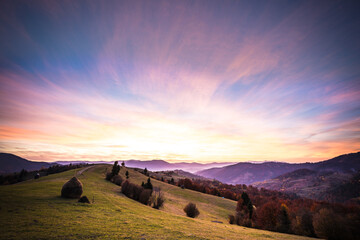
[(34, 210)]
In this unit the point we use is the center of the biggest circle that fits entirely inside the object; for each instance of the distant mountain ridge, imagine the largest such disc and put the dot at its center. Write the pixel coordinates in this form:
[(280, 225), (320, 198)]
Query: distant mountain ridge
[(158, 165), (161, 165), (248, 173), (10, 163)]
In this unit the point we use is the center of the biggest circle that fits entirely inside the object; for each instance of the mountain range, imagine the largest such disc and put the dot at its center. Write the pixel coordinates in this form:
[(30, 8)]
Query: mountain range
[(249, 173), (10, 163), (321, 180)]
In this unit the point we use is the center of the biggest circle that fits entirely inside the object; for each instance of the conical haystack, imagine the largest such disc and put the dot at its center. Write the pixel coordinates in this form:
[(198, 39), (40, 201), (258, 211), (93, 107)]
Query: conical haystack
[(72, 189)]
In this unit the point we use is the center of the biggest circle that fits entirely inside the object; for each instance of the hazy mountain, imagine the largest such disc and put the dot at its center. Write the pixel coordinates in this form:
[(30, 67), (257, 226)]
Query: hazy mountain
[(10, 163), (248, 173), (161, 165), (157, 165)]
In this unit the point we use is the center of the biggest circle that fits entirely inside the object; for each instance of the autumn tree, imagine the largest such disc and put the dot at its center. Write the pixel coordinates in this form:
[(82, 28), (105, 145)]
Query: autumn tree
[(284, 222)]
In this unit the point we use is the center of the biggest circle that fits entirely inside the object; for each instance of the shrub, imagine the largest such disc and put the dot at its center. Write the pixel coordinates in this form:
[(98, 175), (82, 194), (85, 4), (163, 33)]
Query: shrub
[(191, 210), (109, 176), (125, 188), (145, 196), (157, 200), (231, 219), (117, 180), (136, 191)]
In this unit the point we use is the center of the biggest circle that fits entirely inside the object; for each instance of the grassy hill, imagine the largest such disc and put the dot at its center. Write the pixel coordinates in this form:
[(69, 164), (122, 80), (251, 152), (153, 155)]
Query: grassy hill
[(34, 210)]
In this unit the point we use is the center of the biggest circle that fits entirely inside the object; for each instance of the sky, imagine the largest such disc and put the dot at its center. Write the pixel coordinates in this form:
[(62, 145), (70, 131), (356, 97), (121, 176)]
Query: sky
[(203, 81)]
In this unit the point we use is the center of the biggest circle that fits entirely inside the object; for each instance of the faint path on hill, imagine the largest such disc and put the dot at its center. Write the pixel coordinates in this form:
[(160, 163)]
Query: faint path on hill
[(83, 170)]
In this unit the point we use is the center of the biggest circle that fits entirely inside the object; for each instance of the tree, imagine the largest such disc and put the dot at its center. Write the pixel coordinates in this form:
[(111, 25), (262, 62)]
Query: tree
[(145, 171), (148, 185), (329, 225), (127, 174), (115, 169), (267, 215), (304, 224), (123, 164), (22, 175), (284, 223), (172, 181), (245, 206)]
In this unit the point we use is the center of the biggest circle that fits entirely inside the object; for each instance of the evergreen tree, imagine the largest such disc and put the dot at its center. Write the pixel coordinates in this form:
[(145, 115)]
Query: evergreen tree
[(115, 169), (148, 185), (145, 171), (247, 202), (123, 164), (127, 174)]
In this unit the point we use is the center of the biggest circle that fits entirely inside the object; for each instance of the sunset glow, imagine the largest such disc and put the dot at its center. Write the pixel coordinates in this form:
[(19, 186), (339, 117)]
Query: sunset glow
[(179, 80)]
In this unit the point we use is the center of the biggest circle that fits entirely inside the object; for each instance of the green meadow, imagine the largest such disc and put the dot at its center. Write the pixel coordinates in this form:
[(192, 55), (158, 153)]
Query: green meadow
[(35, 210)]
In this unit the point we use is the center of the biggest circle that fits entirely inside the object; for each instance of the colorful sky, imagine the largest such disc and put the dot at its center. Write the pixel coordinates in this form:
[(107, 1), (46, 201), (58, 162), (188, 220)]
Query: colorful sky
[(180, 80)]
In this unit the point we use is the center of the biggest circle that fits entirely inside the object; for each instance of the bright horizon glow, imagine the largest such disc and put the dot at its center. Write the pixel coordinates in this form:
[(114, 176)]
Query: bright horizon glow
[(203, 81)]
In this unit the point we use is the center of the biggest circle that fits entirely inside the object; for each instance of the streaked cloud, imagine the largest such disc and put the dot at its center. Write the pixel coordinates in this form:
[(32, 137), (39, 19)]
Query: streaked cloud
[(204, 81)]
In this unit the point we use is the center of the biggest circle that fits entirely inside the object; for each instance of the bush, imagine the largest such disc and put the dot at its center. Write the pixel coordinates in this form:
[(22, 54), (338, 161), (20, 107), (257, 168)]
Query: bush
[(136, 191), (231, 219), (145, 196), (157, 200), (191, 210), (117, 180), (125, 188), (109, 176)]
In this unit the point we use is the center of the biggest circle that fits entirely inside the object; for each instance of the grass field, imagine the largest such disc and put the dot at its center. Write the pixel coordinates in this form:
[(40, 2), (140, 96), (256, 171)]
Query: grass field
[(35, 210)]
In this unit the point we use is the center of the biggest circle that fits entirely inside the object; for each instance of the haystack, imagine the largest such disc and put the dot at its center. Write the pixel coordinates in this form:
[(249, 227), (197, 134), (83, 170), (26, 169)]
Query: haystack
[(72, 189), (84, 199)]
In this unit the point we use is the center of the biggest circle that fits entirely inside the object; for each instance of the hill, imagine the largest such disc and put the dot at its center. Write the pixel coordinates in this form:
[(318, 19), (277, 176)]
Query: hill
[(176, 175), (34, 210), (249, 173), (307, 183), (10, 163)]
